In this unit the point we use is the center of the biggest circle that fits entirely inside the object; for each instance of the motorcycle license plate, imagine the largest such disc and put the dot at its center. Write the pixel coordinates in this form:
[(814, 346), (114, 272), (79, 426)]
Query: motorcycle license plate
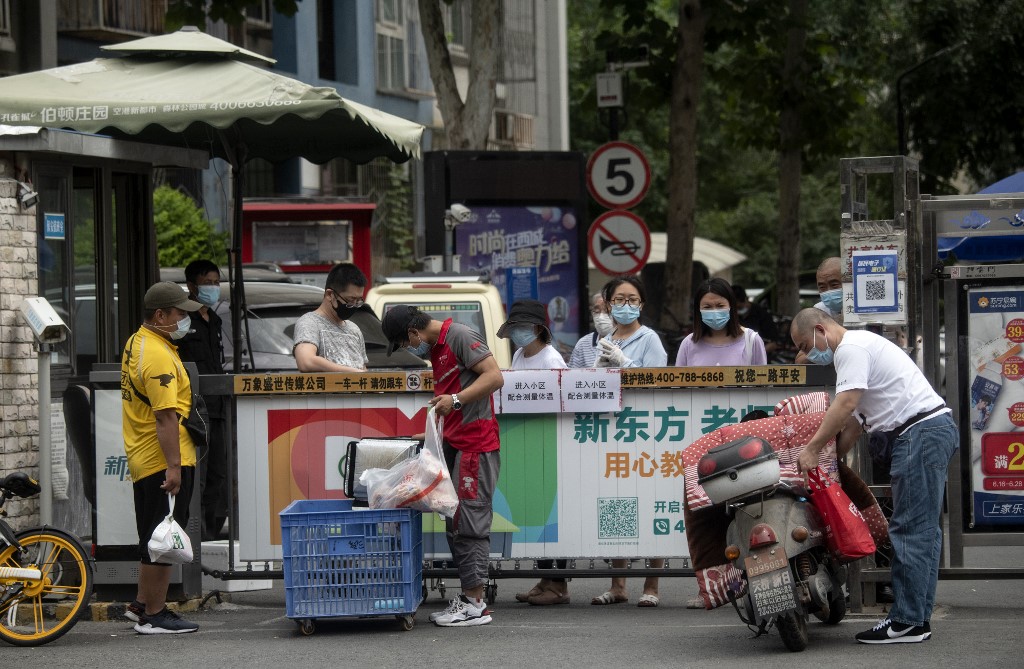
[(770, 583)]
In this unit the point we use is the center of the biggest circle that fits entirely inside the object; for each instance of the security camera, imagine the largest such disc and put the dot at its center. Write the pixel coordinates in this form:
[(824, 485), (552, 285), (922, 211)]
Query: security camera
[(461, 213), (27, 196), (46, 325)]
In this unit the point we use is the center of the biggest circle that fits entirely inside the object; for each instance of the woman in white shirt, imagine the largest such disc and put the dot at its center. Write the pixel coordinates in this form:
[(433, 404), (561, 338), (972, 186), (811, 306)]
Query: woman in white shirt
[(527, 327)]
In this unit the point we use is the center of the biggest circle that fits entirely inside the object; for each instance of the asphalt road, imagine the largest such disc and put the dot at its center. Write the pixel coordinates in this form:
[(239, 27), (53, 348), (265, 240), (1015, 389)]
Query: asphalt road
[(975, 625)]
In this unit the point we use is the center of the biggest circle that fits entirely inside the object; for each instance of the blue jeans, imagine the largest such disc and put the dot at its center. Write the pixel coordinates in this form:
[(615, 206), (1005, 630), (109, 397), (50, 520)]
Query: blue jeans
[(920, 460)]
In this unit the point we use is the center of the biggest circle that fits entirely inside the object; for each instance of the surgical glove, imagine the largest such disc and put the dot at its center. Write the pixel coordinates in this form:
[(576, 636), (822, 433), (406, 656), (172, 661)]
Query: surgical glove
[(611, 355)]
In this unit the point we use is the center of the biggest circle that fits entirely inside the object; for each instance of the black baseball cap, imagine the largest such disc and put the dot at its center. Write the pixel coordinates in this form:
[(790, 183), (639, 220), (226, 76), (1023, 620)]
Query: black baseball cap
[(396, 324)]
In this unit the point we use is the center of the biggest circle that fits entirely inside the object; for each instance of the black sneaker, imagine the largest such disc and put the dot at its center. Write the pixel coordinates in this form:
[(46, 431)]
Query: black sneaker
[(165, 622), (135, 611), (889, 631)]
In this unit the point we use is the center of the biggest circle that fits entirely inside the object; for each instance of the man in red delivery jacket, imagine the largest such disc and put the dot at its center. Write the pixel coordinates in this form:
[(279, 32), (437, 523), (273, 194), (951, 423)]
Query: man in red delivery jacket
[(465, 377)]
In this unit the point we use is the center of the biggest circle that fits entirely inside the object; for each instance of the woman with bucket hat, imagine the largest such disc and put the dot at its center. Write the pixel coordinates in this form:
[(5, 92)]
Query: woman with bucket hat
[(527, 327)]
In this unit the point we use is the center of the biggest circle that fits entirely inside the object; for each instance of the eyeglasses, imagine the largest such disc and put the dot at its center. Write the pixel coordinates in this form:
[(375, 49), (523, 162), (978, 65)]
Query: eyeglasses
[(632, 301), (351, 302)]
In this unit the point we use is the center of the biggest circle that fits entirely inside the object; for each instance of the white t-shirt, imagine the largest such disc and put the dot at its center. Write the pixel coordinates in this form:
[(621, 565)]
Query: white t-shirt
[(548, 358), (894, 388)]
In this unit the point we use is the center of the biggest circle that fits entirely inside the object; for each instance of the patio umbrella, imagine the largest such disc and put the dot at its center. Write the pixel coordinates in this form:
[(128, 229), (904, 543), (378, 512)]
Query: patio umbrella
[(193, 90)]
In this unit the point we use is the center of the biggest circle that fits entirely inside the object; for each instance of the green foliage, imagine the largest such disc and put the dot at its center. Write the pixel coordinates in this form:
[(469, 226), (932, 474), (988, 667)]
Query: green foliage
[(195, 12), (396, 213), (183, 233)]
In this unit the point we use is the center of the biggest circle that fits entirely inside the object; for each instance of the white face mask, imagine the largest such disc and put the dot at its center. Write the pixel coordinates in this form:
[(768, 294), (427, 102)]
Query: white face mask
[(184, 327), (603, 324)]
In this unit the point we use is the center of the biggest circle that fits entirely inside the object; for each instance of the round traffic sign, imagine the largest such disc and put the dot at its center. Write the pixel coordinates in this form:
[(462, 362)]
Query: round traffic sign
[(618, 175), (619, 242)]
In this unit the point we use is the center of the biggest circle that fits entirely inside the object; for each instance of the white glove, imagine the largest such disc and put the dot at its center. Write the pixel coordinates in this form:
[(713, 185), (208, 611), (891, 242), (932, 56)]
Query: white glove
[(610, 355)]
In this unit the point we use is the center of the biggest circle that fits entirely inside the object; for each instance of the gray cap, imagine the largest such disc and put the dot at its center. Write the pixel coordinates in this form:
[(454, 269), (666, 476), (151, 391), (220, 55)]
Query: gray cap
[(168, 294)]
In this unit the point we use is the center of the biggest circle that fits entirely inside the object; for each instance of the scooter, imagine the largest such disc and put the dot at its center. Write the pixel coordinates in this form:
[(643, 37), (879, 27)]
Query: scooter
[(776, 539)]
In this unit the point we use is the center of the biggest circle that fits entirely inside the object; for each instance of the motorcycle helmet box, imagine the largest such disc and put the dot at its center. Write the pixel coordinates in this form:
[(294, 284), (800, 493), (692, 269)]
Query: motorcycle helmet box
[(738, 469)]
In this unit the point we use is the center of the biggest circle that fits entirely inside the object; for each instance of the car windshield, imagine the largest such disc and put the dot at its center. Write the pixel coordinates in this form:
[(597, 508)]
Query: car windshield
[(271, 330), (467, 313)]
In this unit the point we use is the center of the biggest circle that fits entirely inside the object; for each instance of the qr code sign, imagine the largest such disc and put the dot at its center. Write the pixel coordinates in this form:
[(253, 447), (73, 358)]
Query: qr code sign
[(874, 290), (618, 517)]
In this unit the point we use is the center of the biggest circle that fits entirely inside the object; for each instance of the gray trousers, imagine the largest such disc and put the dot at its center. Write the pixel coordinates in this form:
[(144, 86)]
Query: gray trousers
[(469, 533)]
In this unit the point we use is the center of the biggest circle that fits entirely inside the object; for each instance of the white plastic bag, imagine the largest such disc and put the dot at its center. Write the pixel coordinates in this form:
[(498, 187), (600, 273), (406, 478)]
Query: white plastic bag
[(169, 543), (421, 482)]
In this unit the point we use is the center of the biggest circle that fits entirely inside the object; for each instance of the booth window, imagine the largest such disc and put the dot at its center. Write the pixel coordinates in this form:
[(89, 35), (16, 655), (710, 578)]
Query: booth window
[(6, 36)]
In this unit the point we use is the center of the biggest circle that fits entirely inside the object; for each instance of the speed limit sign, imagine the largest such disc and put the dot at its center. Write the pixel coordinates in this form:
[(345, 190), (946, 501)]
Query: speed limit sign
[(618, 175)]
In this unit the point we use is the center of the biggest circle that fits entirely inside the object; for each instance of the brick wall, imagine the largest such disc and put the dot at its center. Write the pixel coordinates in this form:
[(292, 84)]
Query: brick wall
[(19, 383)]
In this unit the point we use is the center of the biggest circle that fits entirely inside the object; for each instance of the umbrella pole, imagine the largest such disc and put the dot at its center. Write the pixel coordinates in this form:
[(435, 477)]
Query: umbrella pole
[(238, 306)]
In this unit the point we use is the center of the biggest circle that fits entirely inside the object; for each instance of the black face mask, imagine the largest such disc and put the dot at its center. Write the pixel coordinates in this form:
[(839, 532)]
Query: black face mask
[(344, 311)]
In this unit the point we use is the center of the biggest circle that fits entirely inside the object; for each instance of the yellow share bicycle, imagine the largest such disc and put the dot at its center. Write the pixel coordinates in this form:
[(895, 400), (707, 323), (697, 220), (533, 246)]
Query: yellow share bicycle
[(46, 575)]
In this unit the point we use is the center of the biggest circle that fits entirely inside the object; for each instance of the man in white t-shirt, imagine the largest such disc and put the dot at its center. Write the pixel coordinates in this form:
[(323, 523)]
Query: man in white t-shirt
[(879, 389)]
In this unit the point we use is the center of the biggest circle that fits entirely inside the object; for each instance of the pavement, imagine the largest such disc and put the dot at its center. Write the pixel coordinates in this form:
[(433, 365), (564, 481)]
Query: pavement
[(976, 623)]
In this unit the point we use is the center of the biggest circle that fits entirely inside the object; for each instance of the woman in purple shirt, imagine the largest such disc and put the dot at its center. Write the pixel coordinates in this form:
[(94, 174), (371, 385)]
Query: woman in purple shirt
[(718, 338)]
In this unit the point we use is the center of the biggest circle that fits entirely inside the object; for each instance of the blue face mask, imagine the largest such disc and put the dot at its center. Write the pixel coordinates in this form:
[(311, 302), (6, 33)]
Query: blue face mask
[(716, 319), (208, 295), (833, 299), (625, 314), (184, 326), (522, 336), (420, 351), (816, 355)]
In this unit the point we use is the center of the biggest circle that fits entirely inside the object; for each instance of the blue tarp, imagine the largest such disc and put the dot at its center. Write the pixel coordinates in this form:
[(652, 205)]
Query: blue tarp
[(1001, 248)]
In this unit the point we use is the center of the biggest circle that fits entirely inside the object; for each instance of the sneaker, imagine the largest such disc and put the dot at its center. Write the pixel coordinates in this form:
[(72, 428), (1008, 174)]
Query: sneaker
[(135, 611), (165, 622), (889, 631), (461, 612)]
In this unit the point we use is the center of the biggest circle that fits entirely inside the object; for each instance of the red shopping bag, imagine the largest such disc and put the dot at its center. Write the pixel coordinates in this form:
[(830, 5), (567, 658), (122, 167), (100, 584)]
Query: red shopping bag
[(846, 531)]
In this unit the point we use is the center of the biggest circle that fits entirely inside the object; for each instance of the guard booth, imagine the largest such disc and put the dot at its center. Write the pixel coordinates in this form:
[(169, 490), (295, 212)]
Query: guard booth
[(78, 226), (957, 305)]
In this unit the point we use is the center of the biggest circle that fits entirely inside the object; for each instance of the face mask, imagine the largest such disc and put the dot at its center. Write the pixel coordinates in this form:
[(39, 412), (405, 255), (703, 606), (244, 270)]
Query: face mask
[(603, 324), (817, 356), (522, 336), (344, 311), (420, 351), (208, 295), (833, 299), (184, 326), (625, 314), (716, 319)]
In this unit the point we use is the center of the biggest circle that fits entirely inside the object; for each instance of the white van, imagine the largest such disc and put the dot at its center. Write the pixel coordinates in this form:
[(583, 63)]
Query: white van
[(464, 299)]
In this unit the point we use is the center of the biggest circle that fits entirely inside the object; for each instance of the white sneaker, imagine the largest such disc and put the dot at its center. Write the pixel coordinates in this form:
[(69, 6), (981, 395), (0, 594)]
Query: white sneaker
[(461, 612)]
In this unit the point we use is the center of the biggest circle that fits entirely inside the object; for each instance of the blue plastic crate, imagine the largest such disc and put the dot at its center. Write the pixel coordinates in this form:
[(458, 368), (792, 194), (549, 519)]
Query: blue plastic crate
[(340, 562)]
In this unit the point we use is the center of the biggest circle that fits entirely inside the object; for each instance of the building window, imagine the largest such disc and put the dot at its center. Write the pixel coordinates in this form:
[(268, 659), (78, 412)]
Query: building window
[(259, 14), (456, 23), (391, 45)]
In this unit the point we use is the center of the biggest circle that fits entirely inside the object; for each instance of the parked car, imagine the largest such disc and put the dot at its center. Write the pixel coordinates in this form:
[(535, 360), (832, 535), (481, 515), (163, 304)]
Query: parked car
[(466, 299), (271, 311), (251, 272)]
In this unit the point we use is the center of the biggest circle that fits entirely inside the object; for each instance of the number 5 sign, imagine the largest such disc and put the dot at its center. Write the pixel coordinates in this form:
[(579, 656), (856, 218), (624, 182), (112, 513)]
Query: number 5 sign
[(618, 175)]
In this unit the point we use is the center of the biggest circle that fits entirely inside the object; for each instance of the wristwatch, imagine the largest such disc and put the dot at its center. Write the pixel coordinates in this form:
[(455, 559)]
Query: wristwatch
[(456, 404)]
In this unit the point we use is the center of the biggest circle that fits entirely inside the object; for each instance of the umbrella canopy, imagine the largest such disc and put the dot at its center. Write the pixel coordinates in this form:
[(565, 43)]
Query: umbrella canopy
[(190, 89), (193, 90)]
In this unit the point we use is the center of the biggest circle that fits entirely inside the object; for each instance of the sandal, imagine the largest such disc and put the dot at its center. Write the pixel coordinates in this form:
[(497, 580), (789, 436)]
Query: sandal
[(648, 601), (608, 598), (524, 597)]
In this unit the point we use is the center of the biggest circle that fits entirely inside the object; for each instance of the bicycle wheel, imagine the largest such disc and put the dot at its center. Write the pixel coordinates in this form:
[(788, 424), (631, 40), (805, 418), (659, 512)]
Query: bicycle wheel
[(46, 609)]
